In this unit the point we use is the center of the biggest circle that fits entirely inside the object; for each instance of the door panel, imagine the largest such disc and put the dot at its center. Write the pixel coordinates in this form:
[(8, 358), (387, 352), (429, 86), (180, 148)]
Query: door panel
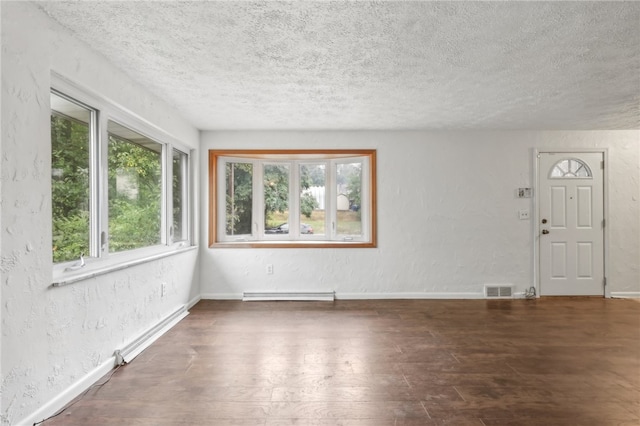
[(558, 207), (585, 260), (558, 260), (585, 205), (571, 236)]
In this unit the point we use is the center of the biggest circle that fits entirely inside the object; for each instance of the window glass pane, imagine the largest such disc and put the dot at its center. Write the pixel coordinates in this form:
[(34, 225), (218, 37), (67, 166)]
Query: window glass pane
[(239, 198), (276, 198), (135, 189), (570, 168), (312, 198), (179, 182), (349, 182), (70, 183)]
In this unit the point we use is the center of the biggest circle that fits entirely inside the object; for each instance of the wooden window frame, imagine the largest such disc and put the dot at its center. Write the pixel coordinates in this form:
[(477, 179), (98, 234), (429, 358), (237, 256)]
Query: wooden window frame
[(310, 154)]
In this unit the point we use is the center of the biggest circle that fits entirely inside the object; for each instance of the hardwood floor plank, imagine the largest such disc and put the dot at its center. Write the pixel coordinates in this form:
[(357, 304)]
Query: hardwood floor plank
[(344, 393), (551, 361), (347, 409)]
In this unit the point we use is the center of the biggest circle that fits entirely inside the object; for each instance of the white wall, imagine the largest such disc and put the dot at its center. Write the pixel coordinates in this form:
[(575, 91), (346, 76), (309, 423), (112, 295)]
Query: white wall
[(53, 337), (447, 216), (447, 221)]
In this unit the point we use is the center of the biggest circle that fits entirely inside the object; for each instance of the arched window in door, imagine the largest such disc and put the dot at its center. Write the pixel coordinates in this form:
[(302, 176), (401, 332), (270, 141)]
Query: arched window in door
[(570, 168)]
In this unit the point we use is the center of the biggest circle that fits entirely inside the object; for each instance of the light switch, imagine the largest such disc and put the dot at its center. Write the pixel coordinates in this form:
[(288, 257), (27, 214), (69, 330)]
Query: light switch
[(524, 193)]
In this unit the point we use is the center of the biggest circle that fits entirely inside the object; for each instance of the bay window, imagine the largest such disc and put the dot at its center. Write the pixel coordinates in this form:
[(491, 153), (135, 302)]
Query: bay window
[(297, 198)]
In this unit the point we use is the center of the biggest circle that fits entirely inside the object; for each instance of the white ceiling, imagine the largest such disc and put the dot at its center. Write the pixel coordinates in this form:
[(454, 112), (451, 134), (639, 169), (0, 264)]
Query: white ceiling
[(375, 65)]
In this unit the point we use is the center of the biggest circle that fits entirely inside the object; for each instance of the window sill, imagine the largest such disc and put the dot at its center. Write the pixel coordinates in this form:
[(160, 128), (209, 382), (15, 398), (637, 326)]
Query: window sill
[(293, 244), (91, 270)]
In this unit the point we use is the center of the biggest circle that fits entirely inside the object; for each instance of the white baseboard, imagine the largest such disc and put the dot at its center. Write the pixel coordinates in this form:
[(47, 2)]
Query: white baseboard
[(260, 296), (381, 296), (67, 395), (365, 296), (143, 341), (191, 303), (221, 296), (625, 294)]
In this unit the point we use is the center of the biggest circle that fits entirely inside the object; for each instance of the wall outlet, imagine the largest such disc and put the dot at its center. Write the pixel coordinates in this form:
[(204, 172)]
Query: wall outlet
[(163, 289), (523, 214), (269, 269)]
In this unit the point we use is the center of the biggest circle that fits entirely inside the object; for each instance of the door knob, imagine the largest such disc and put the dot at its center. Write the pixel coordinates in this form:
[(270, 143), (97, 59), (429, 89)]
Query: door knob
[(544, 220), (545, 231)]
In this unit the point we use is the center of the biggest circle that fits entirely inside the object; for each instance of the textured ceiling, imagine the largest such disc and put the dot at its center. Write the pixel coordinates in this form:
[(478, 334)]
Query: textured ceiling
[(375, 65)]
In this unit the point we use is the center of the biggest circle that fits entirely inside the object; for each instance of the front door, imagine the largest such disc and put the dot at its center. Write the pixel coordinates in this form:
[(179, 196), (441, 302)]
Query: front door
[(571, 223)]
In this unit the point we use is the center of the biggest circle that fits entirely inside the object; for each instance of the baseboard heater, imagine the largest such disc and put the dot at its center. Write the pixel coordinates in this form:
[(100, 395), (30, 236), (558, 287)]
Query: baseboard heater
[(133, 349), (250, 296)]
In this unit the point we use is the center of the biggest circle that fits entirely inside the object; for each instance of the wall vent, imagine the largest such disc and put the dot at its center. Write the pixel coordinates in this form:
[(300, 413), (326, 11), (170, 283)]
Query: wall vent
[(250, 296), (498, 291)]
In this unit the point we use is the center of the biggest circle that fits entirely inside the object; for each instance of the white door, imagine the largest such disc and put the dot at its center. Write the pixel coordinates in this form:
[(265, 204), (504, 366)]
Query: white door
[(571, 223)]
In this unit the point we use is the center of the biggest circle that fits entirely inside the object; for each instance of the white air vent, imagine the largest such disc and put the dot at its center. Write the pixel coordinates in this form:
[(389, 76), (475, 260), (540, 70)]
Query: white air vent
[(498, 291), (327, 296)]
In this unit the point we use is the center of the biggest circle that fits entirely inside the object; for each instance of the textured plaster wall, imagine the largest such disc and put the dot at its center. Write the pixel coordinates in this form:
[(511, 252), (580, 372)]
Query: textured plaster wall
[(52, 337), (447, 215)]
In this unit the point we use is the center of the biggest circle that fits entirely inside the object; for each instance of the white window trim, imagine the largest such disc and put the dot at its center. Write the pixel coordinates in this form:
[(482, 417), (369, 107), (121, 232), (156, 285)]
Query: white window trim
[(101, 261), (186, 202), (259, 238)]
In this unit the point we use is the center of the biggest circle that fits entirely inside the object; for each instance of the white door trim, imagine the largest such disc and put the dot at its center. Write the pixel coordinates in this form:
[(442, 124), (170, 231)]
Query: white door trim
[(536, 203)]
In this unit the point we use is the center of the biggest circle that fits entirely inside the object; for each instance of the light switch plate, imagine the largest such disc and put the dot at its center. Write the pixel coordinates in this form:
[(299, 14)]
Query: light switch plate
[(524, 192)]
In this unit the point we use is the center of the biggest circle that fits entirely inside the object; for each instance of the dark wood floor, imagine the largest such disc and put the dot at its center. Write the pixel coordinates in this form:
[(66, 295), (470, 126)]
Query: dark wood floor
[(552, 361)]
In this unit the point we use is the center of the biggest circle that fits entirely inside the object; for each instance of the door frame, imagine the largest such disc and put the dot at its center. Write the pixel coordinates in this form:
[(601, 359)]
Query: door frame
[(536, 226)]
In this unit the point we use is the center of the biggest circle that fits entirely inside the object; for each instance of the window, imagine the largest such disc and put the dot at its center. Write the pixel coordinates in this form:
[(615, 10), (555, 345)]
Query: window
[(135, 189), (119, 186), (570, 168), (292, 198), (239, 198), (180, 174), (72, 138)]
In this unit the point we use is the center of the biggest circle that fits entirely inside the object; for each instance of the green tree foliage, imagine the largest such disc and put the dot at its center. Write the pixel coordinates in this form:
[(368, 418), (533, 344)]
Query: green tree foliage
[(354, 186), (178, 195), (276, 189), (308, 204), (312, 175), (350, 176), (239, 179), (134, 215), (69, 187), (135, 207), (239, 196)]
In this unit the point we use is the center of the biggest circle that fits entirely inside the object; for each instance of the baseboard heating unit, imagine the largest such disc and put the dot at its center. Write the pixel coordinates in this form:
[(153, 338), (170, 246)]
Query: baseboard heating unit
[(133, 349), (250, 296)]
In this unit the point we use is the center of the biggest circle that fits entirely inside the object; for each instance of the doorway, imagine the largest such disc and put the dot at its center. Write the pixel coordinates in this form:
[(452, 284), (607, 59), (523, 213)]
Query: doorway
[(571, 223)]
